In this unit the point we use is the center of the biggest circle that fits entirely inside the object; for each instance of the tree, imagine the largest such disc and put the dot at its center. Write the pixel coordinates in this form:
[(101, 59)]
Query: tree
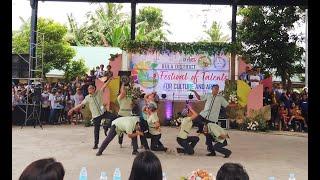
[(107, 26), (215, 33), (74, 69), (268, 40), (154, 23), (57, 51)]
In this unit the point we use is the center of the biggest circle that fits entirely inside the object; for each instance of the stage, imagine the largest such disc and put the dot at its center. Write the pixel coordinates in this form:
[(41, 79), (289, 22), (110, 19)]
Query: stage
[(262, 154)]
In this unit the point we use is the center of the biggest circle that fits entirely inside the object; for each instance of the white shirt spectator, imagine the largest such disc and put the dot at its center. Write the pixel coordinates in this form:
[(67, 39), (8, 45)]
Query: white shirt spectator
[(45, 99), (255, 80), (78, 98)]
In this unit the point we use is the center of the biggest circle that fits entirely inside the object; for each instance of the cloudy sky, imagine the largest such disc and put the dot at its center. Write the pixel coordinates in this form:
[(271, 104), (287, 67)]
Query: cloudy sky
[(187, 22)]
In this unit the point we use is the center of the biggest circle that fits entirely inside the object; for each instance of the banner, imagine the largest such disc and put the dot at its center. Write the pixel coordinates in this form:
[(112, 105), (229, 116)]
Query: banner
[(176, 74)]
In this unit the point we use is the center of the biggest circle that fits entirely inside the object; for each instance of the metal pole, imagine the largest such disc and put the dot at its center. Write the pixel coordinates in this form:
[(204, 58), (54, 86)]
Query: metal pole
[(306, 42), (33, 36), (233, 39), (133, 21)]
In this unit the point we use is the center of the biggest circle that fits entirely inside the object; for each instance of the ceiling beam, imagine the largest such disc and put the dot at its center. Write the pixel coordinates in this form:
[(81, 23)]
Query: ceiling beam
[(209, 2)]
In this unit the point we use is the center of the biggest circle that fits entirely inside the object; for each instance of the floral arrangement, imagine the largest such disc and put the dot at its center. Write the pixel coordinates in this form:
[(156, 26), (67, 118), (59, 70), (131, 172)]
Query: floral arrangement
[(253, 126), (199, 175), (233, 98)]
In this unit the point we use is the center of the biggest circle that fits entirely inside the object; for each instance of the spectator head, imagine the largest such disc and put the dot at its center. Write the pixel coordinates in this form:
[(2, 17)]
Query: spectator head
[(43, 169), (304, 96), (54, 90), (92, 72), (101, 66), (146, 166), (215, 89), (109, 67), (91, 89), (232, 171), (78, 90), (97, 68)]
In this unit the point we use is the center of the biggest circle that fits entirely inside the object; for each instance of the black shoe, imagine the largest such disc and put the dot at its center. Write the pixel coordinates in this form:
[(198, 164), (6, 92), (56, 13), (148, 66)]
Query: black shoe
[(227, 155), (180, 150), (211, 154), (95, 146), (135, 152), (98, 153)]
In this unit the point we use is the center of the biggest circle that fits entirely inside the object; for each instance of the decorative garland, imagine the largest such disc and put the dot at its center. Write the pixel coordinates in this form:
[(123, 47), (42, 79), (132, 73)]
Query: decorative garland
[(210, 48)]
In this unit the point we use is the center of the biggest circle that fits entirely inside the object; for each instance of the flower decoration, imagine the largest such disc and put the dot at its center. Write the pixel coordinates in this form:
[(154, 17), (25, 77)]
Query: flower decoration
[(233, 98), (199, 174)]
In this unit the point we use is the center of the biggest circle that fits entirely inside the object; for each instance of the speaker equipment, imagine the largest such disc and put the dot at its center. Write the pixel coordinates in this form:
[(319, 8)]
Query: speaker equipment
[(37, 94), (20, 65)]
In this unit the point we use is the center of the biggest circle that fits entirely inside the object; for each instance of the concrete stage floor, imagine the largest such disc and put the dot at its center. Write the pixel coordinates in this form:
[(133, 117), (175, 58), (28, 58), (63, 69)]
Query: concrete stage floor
[(262, 154)]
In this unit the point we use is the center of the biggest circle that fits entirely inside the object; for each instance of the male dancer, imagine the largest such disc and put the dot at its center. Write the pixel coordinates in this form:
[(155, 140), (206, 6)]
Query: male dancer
[(187, 142), (95, 102), (128, 125), (215, 132)]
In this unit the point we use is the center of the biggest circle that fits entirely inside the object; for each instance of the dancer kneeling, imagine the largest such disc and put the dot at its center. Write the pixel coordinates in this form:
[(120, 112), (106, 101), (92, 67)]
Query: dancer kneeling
[(154, 128), (128, 125), (215, 132), (187, 142)]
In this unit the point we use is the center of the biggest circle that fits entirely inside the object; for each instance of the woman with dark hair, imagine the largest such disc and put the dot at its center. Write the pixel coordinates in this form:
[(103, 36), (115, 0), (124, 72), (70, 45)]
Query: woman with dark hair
[(43, 169), (232, 171), (146, 166)]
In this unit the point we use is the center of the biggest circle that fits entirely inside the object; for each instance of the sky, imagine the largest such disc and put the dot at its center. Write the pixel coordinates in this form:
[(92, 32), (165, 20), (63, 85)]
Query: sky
[(187, 22)]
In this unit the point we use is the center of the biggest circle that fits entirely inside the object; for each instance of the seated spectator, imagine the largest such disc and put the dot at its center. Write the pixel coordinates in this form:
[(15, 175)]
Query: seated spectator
[(295, 117), (146, 166), (284, 118), (43, 169), (232, 171), (304, 107)]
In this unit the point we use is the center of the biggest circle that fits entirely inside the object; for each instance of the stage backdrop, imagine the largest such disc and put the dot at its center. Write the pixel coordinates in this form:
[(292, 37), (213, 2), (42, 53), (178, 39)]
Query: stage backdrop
[(176, 74)]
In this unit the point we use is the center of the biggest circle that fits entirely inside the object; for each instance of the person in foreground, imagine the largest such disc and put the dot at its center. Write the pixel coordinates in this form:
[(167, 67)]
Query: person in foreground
[(187, 142), (128, 125), (43, 169), (146, 166), (232, 171), (215, 133)]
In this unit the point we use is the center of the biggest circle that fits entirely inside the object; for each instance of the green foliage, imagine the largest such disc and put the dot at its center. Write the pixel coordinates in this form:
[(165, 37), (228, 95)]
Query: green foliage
[(153, 19), (268, 40), (56, 50), (142, 47), (107, 26), (74, 69), (215, 34)]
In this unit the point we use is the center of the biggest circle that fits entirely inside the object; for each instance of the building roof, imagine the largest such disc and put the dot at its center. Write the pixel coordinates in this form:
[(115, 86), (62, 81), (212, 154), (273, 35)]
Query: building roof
[(92, 56)]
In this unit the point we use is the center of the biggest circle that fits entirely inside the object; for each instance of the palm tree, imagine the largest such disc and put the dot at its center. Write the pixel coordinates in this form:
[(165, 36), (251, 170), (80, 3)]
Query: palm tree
[(215, 33)]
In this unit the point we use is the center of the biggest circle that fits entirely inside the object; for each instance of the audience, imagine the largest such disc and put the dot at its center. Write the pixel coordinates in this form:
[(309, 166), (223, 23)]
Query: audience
[(232, 171), (43, 169), (146, 166)]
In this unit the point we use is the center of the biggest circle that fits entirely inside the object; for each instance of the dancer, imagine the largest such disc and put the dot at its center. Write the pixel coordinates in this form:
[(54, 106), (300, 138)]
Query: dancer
[(125, 107), (98, 111), (154, 128), (128, 125), (218, 134), (187, 142), (212, 107)]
